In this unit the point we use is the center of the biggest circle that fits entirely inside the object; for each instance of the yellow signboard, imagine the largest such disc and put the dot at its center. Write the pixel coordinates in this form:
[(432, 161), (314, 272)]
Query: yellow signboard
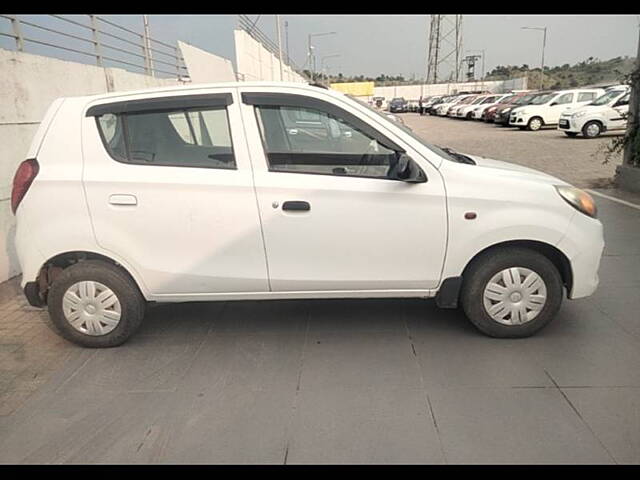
[(358, 89)]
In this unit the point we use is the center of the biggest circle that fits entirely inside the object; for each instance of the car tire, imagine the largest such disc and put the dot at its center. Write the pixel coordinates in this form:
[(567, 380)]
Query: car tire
[(85, 300), (592, 129), (571, 134), (535, 124), (480, 291)]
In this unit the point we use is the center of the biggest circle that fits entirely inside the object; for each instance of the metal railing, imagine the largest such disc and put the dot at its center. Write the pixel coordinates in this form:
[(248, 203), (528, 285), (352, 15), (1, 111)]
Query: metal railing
[(144, 52), (250, 26)]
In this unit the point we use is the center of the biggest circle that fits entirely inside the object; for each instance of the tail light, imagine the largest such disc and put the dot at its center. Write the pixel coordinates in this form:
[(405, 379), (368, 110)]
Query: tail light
[(22, 180)]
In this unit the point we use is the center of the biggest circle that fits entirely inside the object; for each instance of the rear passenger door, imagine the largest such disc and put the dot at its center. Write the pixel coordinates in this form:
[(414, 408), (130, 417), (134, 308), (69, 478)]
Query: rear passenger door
[(169, 187)]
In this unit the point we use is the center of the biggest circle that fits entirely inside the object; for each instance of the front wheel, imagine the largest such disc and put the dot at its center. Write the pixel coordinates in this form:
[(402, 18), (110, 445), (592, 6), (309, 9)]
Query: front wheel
[(95, 304), (534, 124), (511, 292), (592, 129)]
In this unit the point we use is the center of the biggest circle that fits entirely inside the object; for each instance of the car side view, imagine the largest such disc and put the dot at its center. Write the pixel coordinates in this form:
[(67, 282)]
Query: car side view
[(606, 113), (545, 110), (283, 191)]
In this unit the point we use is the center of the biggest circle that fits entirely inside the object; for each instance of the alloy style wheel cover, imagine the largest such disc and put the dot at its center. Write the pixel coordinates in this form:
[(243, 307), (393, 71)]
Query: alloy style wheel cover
[(593, 130), (514, 296), (91, 308), (535, 124)]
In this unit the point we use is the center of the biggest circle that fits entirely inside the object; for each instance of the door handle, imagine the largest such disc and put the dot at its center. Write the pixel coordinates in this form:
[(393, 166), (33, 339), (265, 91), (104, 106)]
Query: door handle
[(296, 205), (122, 199)]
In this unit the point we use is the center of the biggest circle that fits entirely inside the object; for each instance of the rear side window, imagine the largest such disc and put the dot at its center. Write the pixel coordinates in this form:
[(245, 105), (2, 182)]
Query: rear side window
[(586, 96), (194, 137)]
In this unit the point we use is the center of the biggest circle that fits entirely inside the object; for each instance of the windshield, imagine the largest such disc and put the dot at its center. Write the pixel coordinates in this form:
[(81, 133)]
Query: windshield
[(407, 130), (398, 100), (489, 100), (524, 100), (544, 98), (607, 97)]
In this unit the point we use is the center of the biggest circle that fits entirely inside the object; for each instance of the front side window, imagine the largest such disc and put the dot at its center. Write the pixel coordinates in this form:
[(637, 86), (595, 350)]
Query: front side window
[(195, 137), (307, 140)]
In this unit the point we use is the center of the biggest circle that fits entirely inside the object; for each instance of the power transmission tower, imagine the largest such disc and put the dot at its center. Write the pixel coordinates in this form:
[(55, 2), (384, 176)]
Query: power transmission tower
[(445, 48)]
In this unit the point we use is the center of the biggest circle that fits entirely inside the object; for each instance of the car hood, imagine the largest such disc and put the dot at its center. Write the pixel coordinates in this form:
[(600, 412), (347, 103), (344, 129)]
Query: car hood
[(507, 168)]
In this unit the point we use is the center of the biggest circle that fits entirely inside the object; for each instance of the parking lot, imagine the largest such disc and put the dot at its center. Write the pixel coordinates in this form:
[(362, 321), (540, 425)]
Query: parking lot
[(345, 381), (577, 160)]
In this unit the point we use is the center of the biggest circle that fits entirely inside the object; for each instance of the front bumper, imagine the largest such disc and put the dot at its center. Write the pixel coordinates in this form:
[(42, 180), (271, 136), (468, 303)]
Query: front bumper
[(518, 120), (583, 244), (567, 124)]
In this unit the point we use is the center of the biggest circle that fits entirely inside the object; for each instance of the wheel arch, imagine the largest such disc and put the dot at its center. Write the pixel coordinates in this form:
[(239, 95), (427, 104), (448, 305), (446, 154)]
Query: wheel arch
[(51, 268), (556, 256)]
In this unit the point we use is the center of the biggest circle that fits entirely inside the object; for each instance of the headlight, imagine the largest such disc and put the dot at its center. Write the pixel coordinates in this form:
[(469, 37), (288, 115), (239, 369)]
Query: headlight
[(578, 114), (578, 199)]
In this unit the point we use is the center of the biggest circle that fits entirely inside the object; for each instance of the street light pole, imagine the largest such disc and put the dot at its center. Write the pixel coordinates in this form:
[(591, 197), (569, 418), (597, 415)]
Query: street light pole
[(544, 42), (279, 46), (312, 57), (324, 58)]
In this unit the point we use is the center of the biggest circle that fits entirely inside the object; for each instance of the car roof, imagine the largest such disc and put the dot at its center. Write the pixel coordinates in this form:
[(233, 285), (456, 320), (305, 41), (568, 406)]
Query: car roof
[(206, 86)]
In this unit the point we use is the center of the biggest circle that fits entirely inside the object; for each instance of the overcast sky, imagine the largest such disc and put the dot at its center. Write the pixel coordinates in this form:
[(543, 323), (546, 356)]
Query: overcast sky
[(371, 45)]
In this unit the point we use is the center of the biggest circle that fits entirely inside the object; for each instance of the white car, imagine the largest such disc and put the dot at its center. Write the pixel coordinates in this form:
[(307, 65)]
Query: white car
[(476, 113), (443, 108), (461, 111), (545, 110), (259, 191), (605, 113)]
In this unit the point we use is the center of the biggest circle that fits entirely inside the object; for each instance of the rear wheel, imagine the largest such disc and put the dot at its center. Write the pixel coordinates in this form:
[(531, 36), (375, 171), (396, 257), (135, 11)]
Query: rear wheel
[(512, 292), (535, 124), (592, 129), (95, 304)]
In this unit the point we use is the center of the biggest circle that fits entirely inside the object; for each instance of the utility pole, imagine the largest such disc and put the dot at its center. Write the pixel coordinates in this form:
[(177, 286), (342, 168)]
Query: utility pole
[(544, 42), (147, 46), (279, 46), (286, 38)]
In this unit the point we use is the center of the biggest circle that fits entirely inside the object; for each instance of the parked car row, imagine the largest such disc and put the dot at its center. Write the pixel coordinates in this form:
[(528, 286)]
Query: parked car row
[(586, 111)]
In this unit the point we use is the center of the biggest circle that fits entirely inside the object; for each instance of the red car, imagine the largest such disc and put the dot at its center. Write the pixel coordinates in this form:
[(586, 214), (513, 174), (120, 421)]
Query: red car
[(489, 114)]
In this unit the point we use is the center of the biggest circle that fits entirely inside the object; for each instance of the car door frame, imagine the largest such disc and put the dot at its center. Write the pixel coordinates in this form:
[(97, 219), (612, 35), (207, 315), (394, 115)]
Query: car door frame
[(428, 160)]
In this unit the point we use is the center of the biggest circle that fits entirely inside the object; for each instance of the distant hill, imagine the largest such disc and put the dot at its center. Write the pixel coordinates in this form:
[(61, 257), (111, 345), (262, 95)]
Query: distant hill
[(592, 71)]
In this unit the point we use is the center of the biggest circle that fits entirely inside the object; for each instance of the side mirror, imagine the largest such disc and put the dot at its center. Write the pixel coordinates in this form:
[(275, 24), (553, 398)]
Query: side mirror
[(554, 103), (407, 170)]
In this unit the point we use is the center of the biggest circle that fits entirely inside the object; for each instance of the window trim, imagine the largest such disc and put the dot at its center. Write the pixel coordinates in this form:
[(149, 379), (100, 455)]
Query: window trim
[(125, 131), (179, 102), (303, 101), (273, 170)]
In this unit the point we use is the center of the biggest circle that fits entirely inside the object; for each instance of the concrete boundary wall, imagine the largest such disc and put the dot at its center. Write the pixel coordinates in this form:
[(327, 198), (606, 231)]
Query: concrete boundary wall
[(205, 67), (413, 92), (256, 63), (28, 85)]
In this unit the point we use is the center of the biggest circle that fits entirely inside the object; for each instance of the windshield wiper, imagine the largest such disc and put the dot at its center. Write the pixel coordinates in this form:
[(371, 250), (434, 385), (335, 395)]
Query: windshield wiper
[(460, 158)]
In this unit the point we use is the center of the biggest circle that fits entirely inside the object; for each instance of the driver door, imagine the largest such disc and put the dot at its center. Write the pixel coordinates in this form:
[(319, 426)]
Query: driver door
[(332, 220)]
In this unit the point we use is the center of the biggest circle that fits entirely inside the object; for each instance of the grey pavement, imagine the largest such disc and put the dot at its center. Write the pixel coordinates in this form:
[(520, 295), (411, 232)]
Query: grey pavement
[(334, 381)]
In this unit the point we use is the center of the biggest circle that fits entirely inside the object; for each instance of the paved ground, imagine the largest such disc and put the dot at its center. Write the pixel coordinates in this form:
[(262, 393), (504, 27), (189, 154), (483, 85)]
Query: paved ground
[(576, 160), (337, 381)]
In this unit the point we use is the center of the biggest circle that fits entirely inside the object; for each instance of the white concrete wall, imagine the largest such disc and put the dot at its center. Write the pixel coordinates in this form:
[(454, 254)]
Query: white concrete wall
[(28, 85), (413, 92), (205, 67), (256, 63)]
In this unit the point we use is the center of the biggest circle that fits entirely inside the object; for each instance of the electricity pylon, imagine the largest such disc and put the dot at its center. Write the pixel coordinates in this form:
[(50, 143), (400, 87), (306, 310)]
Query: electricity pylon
[(445, 48)]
